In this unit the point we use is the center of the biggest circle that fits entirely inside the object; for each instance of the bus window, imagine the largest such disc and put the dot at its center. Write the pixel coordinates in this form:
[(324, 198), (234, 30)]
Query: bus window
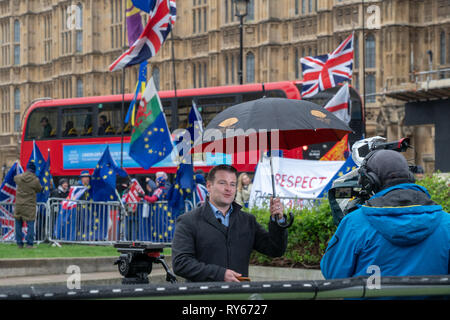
[(42, 124), (211, 106), (109, 122), (76, 122), (249, 96), (276, 94)]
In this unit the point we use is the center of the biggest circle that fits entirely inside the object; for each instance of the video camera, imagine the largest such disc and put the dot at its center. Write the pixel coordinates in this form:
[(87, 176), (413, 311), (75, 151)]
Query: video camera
[(346, 193)]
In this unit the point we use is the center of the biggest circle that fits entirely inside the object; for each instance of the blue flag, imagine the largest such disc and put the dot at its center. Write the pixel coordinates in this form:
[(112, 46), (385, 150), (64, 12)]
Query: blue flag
[(38, 159), (195, 126), (45, 178), (348, 166), (42, 172), (144, 5), (103, 182), (183, 186)]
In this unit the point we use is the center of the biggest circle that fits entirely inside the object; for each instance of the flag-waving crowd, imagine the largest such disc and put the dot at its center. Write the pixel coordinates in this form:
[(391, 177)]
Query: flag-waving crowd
[(77, 216)]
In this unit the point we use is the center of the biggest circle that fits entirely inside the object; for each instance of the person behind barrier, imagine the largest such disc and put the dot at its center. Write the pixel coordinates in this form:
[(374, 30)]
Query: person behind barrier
[(150, 186), (28, 186), (244, 189), (201, 192), (213, 242), (166, 178), (160, 194), (400, 230), (62, 191), (85, 180)]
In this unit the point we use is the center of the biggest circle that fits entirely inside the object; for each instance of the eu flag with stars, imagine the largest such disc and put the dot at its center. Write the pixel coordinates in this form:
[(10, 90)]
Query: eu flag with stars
[(45, 178), (42, 172), (150, 139), (103, 182), (184, 179), (349, 165)]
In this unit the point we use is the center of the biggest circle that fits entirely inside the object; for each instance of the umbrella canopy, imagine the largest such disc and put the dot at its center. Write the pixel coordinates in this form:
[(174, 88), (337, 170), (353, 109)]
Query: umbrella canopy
[(271, 123)]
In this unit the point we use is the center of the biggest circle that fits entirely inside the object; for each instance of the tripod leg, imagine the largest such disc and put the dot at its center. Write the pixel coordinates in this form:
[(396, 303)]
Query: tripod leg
[(170, 276)]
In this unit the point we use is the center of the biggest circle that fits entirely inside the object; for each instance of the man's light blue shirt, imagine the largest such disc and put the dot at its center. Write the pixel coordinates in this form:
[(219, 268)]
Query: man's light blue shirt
[(226, 219), (219, 215)]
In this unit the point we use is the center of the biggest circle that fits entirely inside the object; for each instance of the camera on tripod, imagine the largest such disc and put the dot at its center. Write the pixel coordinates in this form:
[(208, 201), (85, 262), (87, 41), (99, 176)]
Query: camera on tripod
[(346, 193)]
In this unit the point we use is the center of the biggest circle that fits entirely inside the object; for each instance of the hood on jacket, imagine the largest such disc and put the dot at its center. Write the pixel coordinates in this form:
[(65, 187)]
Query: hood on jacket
[(404, 214), (26, 177)]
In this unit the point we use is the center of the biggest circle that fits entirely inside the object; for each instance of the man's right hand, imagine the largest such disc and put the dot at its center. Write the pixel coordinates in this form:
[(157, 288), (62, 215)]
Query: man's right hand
[(231, 276)]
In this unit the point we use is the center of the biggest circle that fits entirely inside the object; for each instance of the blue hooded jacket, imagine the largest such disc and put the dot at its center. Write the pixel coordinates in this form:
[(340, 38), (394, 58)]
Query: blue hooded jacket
[(400, 230)]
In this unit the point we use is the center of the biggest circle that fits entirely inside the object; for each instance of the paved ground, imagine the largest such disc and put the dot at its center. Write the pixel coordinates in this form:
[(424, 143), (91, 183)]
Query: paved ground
[(101, 271), (100, 278)]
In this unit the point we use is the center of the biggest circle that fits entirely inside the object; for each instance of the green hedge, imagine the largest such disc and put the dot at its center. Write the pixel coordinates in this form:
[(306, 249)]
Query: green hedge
[(438, 187), (313, 228), (308, 237)]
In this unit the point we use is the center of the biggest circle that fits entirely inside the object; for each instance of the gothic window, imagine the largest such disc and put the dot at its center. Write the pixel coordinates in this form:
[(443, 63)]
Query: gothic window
[(370, 51), (370, 87), (79, 29), (442, 48), (250, 66), (16, 42), (79, 88)]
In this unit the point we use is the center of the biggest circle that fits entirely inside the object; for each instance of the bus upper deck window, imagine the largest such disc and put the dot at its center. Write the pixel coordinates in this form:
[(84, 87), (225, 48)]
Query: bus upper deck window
[(42, 124), (76, 121)]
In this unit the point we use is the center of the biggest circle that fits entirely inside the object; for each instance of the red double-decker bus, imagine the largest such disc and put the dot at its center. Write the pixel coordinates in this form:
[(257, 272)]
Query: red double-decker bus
[(76, 131)]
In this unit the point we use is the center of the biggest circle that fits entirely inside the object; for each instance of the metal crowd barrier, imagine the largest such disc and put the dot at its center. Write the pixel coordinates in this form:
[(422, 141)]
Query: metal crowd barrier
[(78, 221), (148, 222), (8, 224)]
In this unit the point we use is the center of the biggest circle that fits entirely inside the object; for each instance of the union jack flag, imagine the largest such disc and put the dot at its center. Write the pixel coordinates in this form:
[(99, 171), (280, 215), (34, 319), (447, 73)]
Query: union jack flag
[(75, 193), (327, 71), (150, 41), (8, 187)]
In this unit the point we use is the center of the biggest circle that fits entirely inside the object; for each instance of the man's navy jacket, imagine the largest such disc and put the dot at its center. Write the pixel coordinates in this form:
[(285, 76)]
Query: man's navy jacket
[(203, 248)]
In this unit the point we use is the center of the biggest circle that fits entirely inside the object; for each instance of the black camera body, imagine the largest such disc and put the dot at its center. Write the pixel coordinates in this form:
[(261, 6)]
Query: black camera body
[(357, 186)]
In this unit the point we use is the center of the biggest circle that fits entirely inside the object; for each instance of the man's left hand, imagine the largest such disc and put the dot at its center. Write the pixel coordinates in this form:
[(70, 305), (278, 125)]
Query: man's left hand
[(276, 208)]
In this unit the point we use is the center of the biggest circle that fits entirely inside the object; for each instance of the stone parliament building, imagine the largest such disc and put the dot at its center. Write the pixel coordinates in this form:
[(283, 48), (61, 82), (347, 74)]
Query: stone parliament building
[(402, 55)]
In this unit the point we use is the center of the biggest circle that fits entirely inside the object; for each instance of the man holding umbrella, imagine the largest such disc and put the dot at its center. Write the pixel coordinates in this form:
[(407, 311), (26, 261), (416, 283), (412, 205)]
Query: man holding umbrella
[(214, 241)]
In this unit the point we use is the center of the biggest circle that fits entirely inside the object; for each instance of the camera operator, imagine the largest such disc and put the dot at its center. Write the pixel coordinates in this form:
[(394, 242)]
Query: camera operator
[(399, 229)]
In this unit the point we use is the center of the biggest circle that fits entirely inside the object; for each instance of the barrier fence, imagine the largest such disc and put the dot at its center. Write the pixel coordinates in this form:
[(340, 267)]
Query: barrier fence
[(78, 221)]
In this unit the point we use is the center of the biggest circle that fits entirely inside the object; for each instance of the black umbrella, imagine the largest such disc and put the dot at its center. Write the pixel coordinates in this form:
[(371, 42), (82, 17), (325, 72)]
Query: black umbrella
[(271, 123), (298, 123)]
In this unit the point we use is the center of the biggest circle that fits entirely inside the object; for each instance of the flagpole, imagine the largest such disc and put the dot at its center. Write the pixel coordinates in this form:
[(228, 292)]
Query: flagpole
[(175, 106), (364, 67), (122, 108)]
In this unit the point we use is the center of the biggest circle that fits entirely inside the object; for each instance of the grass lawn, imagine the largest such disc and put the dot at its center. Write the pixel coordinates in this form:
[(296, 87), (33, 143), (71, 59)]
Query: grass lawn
[(45, 250)]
